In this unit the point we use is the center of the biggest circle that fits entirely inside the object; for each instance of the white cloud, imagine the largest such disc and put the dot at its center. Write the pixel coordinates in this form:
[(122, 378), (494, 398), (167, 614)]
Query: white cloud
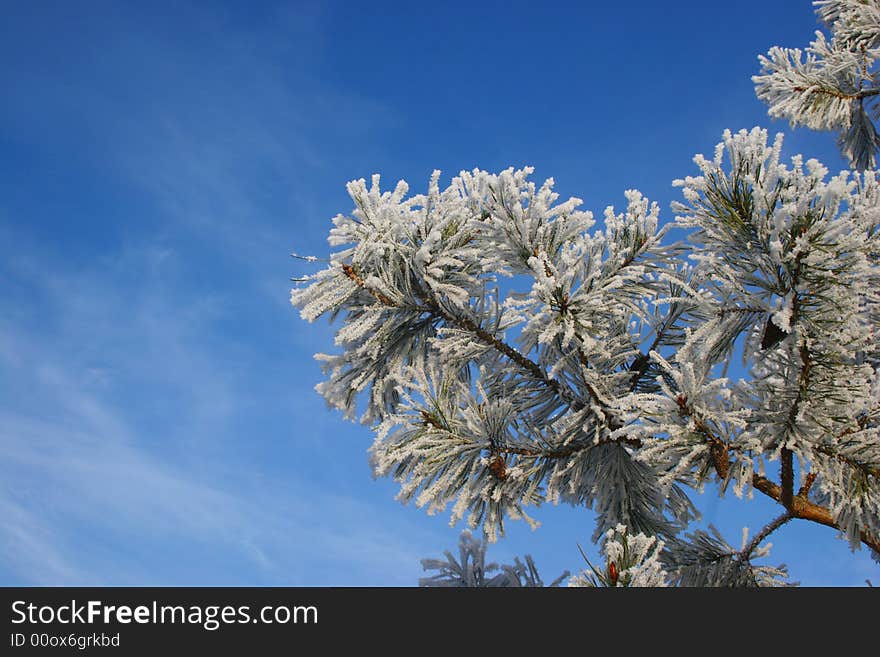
[(97, 485), (141, 401)]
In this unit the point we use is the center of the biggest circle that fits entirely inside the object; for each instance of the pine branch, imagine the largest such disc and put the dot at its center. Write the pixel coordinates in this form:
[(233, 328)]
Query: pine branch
[(535, 370), (786, 478), (485, 336), (836, 93), (349, 271), (522, 361), (801, 507), (429, 419), (515, 356), (869, 470), (417, 319), (566, 450), (764, 533), (642, 362), (786, 475)]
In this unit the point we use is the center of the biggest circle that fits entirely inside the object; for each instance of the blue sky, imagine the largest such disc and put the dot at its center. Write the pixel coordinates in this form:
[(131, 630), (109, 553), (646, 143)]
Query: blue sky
[(158, 163)]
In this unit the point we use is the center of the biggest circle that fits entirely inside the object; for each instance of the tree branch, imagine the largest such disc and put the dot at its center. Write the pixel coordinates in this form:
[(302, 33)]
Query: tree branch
[(764, 533), (429, 419), (558, 453), (873, 471), (801, 507), (859, 95), (786, 475), (517, 357), (786, 478), (349, 271), (485, 336), (809, 480), (864, 467)]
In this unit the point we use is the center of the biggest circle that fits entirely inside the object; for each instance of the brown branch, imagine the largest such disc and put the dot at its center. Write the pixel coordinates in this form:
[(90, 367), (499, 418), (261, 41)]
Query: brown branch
[(353, 275), (807, 485), (786, 478), (801, 507)]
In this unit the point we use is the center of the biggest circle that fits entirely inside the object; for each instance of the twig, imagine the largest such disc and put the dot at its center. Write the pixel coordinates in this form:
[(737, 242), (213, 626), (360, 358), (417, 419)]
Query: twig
[(764, 533)]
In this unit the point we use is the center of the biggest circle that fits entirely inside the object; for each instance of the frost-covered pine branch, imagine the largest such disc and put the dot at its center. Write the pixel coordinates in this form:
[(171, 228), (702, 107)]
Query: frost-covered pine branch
[(467, 417), (832, 84), (630, 561), (700, 559), (471, 569), (601, 382), (509, 352), (803, 248), (705, 559)]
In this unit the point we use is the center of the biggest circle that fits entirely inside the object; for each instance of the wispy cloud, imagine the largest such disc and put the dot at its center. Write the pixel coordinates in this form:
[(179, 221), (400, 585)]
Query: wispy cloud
[(137, 448), (69, 497), (144, 424)]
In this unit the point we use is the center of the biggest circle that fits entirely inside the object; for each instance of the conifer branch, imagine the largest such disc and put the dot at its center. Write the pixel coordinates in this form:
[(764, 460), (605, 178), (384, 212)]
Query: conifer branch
[(800, 506), (349, 271), (761, 536), (836, 93)]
